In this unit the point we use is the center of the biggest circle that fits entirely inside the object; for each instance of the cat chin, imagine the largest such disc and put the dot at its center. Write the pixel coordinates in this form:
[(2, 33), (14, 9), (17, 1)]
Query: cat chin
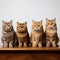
[(21, 31), (7, 30)]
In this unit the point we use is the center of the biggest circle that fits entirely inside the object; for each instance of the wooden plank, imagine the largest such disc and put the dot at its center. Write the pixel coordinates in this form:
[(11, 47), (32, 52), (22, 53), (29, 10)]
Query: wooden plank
[(4, 55), (31, 49)]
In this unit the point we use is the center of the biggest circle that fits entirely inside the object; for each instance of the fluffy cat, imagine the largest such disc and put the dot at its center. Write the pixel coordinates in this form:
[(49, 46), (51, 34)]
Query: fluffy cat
[(8, 34), (22, 34), (37, 33), (51, 33)]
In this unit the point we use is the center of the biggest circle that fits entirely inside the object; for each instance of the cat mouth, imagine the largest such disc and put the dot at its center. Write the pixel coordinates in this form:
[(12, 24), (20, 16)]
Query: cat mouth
[(37, 30), (22, 31), (7, 30)]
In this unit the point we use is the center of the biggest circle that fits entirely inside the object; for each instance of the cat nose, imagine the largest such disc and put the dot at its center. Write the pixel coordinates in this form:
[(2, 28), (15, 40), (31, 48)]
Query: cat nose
[(51, 23), (38, 27), (51, 27), (22, 26), (7, 28)]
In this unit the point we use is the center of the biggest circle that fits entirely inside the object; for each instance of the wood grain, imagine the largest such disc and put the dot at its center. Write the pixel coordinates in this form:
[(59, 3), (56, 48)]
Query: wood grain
[(32, 49), (30, 53)]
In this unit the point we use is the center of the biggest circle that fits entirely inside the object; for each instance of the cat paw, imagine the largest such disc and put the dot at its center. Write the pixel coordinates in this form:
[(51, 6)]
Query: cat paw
[(25, 44), (30, 44), (34, 45), (39, 45), (20, 45), (5, 44), (11, 44), (53, 44), (48, 44)]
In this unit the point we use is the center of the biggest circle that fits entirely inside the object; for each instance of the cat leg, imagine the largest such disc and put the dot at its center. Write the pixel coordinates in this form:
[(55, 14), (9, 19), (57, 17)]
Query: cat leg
[(5, 44), (11, 44), (40, 44), (48, 44), (30, 44), (54, 43), (34, 43), (25, 44), (20, 44)]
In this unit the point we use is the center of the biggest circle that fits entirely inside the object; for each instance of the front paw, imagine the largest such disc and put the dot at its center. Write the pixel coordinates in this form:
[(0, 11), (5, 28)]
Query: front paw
[(39, 45), (53, 44), (25, 44), (20, 44), (34, 44), (5, 44), (11, 44), (48, 44)]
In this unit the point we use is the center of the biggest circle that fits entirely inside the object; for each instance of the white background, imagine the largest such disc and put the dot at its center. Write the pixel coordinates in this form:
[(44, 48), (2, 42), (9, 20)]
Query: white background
[(28, 10)]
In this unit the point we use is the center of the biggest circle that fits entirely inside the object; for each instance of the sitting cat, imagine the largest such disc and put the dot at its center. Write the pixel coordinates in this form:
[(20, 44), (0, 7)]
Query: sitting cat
[(51, 33), (22, 34), (8, 34), (37, 34)]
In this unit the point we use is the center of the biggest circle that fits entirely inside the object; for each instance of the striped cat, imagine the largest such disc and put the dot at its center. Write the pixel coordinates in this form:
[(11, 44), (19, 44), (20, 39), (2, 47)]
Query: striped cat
[(51, 32), (37, 33), (8, 34), (22, 34)]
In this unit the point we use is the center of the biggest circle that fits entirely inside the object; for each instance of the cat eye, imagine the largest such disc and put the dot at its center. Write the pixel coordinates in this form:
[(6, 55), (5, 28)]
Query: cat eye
[(22, 26), (51, 23), (38, 25)]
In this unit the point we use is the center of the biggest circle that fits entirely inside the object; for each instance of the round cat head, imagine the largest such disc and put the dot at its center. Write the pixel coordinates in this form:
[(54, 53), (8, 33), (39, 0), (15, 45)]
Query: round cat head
[(7, 26), (37, 26), (51, 24), (21, 27)]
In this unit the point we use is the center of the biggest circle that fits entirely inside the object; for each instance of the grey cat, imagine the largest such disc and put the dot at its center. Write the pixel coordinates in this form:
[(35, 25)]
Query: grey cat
[(8, 34)]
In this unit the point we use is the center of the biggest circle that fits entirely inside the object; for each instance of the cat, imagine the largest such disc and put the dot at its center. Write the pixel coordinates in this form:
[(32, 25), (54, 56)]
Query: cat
[(22, 34), (37, 33), (51, 32), (8, 34)]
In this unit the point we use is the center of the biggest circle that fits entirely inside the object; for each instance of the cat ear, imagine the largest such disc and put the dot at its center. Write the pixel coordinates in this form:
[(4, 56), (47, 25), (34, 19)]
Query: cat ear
[(11, 21), (47, 19), (17, 22), (33, 21), (2, 21), (26, 22), (54, 19), (41, 21)]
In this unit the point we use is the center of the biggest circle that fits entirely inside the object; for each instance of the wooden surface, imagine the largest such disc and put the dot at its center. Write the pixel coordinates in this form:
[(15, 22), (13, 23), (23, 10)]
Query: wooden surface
[(30, 53), (31, 49)]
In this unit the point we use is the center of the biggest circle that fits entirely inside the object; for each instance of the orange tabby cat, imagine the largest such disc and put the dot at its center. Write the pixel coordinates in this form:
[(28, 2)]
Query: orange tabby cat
[(37, 33), (22, 34), (51, 32)]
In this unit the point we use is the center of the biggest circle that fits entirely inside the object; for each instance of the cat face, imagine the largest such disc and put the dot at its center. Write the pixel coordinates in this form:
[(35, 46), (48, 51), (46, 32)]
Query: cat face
[(7, 26), (51, 24), (21, 27), (37, 26)]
